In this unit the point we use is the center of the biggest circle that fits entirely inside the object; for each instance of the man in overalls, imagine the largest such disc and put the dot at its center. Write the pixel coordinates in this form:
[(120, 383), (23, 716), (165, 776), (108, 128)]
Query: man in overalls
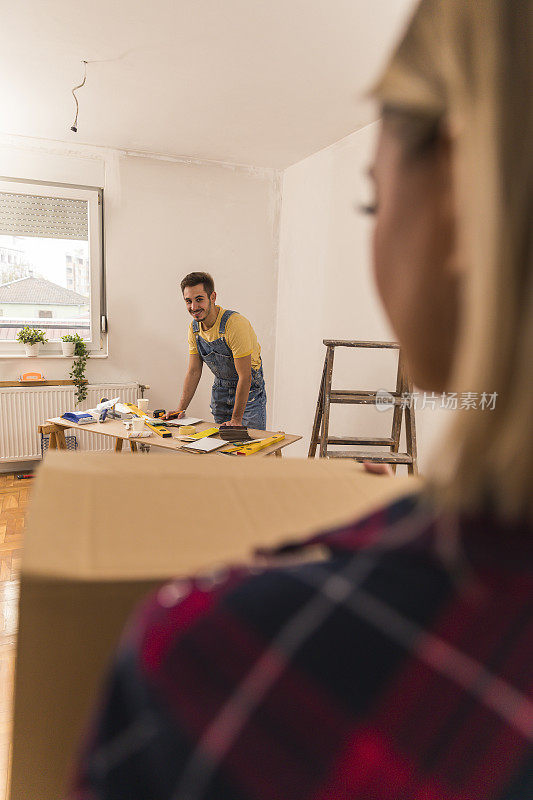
[(226, 342)]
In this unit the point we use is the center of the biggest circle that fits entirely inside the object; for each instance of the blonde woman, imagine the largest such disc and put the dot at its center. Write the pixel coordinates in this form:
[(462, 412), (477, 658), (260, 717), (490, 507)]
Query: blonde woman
[(401, 668)]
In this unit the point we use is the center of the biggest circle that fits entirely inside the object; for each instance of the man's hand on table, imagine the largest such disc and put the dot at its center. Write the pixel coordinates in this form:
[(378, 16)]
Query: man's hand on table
[(174, 414), (231, 422)]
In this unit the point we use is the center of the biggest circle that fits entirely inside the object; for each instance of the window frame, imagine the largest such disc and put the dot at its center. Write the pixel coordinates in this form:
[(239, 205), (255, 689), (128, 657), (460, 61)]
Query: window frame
[(97, 345)]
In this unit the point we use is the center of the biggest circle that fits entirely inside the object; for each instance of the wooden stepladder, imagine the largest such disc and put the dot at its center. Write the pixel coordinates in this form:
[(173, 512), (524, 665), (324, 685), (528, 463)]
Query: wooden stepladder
[(399, 400)]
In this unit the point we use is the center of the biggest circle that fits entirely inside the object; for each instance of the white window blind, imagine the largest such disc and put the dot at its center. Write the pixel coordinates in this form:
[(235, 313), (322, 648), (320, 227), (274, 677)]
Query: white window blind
[(45, 217)]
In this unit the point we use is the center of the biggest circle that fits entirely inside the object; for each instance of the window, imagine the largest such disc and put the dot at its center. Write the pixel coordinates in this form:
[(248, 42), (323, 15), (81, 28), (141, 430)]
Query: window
[(51, 271)]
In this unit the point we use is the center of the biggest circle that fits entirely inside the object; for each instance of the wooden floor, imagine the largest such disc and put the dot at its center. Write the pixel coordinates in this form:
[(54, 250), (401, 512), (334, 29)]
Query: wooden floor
[(13, 502)]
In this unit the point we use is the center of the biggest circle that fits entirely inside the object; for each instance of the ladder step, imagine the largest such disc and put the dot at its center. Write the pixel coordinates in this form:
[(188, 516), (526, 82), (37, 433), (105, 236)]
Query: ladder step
[(367, 398), (357, 343), (362, 392), (377, 458), (358, 441)]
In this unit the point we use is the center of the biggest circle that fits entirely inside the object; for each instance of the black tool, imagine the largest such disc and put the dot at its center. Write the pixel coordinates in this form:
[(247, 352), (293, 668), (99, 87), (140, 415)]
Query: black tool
[(234, 433)]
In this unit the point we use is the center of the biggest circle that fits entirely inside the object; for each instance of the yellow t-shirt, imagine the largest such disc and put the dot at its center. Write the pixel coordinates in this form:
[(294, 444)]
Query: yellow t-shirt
[(240, 337)]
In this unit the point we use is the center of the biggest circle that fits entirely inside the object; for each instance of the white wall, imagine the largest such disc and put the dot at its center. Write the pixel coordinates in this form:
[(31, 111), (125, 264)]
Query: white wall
[(326, 291), (163, 219)]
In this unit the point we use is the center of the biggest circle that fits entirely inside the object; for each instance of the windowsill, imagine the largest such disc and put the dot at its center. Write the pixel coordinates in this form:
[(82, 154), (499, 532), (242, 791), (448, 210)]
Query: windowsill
[(52, 355)]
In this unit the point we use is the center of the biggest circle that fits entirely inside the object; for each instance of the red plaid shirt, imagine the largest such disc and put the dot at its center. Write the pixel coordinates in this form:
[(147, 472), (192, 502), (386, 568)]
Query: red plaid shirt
[(398, 668)]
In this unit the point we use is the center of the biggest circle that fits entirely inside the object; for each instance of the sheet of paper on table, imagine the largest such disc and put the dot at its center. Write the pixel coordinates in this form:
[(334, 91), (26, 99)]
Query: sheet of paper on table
[(204, 445)]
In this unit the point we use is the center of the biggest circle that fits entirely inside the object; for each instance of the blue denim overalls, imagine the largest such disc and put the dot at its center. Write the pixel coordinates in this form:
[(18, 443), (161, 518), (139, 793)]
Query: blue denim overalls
[(219, 358)]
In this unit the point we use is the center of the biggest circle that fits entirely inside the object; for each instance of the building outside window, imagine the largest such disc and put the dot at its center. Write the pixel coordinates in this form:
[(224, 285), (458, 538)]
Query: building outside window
[(51, 272)]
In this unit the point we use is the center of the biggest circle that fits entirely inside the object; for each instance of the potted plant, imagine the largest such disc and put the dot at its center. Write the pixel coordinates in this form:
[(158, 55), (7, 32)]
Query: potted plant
[(31, 338), (68, 343), (81, 354)]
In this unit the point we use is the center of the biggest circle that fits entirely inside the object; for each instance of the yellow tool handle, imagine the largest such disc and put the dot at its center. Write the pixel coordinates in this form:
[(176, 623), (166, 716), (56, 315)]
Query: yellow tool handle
[(250, 449), (136, 410), (203, 434), (159, 429), (232, 449)]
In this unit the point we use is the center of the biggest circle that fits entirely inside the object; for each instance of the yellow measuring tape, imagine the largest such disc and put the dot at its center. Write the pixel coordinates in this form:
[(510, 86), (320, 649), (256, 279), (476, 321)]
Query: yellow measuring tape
[(254, 447)]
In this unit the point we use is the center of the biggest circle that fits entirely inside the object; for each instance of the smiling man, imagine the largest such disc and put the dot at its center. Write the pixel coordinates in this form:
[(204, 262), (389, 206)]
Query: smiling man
[(226, 342)]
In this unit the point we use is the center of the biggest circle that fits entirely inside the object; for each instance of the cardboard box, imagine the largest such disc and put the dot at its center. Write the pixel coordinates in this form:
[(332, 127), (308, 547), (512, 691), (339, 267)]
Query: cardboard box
[(103, 530)]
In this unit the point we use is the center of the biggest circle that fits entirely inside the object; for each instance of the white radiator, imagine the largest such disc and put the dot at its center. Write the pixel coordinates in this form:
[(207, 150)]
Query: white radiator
[(23, 409)]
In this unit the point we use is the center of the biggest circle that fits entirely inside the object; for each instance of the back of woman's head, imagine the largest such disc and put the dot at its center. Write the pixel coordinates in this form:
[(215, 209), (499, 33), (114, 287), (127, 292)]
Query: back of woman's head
[(466, 67)]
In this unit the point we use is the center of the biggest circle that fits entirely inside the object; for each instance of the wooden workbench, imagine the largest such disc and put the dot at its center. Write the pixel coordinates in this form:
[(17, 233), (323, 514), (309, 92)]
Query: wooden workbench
[(56, 427)]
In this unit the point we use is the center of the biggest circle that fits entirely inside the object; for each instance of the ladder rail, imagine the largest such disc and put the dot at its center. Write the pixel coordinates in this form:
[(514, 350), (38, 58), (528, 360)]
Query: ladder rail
[(398, 411), (410, 431), (318, 415), (330, 354)]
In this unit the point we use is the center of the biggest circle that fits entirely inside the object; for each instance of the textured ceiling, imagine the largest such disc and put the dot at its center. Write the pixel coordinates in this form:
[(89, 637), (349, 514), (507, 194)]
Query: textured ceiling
[(259, 82)]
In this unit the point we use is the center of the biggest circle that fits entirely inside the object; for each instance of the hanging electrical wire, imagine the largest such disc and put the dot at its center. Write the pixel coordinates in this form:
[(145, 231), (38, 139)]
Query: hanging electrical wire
[(75, 126)]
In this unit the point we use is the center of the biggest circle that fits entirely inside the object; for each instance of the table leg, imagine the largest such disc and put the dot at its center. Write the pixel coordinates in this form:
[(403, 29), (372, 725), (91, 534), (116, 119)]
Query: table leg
[(52, 441), (61, 441), (118, 445), (133, 446)]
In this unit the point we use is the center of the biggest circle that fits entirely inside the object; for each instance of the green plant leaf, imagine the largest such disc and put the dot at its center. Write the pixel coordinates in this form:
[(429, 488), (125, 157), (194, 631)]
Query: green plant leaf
[(81, 354), (29, 335)]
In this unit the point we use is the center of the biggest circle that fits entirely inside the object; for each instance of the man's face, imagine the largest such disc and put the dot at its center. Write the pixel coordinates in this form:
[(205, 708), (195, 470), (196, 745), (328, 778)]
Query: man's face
[(198, 302)]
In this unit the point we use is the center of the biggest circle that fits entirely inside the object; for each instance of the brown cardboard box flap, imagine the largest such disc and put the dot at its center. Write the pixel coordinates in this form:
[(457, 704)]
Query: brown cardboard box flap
[(103, 517), (104, 529)]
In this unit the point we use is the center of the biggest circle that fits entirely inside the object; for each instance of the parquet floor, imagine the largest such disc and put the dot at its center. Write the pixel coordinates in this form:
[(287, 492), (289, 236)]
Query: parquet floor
[(13, 502)]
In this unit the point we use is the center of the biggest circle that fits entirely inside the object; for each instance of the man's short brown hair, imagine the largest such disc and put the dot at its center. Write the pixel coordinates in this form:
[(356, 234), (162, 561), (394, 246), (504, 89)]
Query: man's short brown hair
[(194, 278)]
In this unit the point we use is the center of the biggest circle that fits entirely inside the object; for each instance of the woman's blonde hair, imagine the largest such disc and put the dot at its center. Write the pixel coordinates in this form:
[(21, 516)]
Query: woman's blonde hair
[(467, 65)]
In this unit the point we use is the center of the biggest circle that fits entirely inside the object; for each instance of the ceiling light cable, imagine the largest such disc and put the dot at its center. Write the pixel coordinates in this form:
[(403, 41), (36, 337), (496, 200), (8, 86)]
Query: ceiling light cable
[(75, 126)]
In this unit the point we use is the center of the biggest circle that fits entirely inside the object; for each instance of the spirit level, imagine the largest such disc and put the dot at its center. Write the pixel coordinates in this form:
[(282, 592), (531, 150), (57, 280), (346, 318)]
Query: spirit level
[(254, 447), (159, 429)]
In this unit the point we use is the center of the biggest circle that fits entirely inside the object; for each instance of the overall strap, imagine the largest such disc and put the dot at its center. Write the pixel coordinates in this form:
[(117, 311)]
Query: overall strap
[(195, 327), (225, 316)]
